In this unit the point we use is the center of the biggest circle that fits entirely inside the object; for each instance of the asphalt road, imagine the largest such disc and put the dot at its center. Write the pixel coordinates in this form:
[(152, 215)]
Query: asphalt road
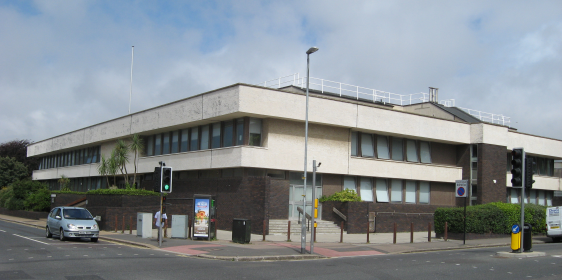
[(25, 253)]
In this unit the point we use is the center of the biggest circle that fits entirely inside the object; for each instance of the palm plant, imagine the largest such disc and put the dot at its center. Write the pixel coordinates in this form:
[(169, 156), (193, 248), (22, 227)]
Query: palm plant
[(103, 168), (137, 146), (64, 182), (121, 156)]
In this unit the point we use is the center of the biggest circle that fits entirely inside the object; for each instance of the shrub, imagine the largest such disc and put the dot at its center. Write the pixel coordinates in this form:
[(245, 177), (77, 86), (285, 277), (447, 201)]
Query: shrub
[(5, 193), (124, 192), (496, 217), (39, 201), (343, 196)]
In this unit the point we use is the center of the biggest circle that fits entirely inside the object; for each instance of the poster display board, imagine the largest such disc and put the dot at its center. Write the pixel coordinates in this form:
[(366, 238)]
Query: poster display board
[(201, 216)]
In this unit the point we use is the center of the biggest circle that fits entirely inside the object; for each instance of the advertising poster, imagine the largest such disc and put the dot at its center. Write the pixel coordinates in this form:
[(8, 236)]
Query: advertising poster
[(201, 220)]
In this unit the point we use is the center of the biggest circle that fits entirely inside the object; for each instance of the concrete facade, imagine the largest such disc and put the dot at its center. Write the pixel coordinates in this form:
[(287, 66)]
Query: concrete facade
[(332, 120)]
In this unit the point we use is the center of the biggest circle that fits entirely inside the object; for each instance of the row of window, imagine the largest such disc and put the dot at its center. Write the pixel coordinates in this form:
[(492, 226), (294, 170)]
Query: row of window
[(76, 157), (385, 147), (539, 197), (225, 173), (389, 190), (242, 131), (82, 184)]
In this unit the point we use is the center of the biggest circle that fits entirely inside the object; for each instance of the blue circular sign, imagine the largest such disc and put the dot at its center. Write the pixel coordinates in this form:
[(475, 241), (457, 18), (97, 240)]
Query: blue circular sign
[(460, 191), (515, 229)]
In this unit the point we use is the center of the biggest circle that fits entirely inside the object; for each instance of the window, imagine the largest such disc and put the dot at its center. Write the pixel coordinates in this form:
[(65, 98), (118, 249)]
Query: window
[(410, 192), (382, 147), (216, 137), (175, 140), (349, 183), (411, 151), (397, 149), (228, 133), (367, 149), (549, 198), (255, 172), (354, 143), (184, 140), (425, 153), (204, 137), (157, 145), (232, 172), (255, 132), (194, 145), (541, 198), (533, 197), (166, 143), (396, 190), (513, 197), (366, 189), (424, 192), (382, 190), (239, 132), (276, 174)]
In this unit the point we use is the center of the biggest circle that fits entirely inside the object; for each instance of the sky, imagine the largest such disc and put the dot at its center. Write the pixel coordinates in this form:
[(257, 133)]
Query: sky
[(65, 65)]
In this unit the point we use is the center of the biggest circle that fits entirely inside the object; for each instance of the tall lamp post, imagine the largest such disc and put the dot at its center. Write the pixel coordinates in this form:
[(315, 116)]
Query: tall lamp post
[(303, 222)]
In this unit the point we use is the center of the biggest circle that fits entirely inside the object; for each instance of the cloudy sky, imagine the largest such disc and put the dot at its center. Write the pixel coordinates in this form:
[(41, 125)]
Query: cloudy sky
[(65, 65)]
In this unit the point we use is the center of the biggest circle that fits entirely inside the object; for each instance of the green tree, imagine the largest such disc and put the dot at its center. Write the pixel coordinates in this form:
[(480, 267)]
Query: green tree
[(39, 201), (64, 183), (18, 149), (103, 168), (11, 170), (22, 190), (121, 157), (137, 146)]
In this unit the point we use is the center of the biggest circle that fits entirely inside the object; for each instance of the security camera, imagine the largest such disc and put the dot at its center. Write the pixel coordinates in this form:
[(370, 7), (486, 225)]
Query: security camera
[(319, 164)]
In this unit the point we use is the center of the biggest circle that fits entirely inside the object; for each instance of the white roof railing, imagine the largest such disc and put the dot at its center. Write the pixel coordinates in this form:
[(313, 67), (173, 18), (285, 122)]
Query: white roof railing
[(374, 95)]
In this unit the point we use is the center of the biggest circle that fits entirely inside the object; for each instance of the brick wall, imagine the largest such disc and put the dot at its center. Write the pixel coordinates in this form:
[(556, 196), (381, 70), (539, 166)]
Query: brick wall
[(492, 162)]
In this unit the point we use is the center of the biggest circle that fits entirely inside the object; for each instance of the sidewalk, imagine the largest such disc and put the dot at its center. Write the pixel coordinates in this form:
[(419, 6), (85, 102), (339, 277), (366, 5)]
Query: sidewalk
[(276, 247)]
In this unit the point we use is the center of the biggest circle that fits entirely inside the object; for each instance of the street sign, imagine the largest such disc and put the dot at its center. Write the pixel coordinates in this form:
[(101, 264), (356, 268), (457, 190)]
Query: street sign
[(515, 229), (461, 188)]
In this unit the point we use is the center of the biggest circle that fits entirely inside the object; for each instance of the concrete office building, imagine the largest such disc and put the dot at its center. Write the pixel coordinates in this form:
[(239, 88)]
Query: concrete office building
[(244, 144)]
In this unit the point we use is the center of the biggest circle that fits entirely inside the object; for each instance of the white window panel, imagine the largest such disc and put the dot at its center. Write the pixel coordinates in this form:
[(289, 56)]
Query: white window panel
[(366, 189), (382, 190), (396, 191), (424, 192), (410, 192), (425, 152), (367, 149), (382, 147), (514, 198), (349, 183), (411, 151)]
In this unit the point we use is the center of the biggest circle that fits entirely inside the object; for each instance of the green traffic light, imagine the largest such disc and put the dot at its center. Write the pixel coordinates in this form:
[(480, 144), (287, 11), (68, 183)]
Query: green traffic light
[(166, 187)]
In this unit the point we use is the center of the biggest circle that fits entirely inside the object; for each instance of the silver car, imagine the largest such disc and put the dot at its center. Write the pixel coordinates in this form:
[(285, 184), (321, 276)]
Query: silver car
[(72, 222)]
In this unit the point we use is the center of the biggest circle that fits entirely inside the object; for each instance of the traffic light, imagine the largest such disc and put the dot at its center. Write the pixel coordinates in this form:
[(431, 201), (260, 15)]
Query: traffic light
[(517, 167), (157, 179), (166, 186), (529, 164)]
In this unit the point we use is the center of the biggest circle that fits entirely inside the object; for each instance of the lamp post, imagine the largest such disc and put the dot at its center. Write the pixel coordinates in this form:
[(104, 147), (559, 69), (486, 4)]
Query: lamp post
[(303, 222)]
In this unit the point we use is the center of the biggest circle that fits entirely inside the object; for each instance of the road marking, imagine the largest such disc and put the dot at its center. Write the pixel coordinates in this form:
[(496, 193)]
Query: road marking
[(2, 230), (31, 239)]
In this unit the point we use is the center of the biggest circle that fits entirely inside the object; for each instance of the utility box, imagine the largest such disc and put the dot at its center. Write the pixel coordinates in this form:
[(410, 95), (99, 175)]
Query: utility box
[(144, 225), (179, 226), (241, 231)]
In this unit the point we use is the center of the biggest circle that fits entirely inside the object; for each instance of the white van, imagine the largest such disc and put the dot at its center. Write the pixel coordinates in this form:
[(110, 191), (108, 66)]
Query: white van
[(554, 223)]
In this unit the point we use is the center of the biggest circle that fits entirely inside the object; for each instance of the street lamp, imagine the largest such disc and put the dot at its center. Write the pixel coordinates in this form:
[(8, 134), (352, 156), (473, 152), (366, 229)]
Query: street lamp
[(303, 222)]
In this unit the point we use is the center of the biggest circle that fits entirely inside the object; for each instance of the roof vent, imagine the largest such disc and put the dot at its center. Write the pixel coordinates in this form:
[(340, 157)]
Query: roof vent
[(433, 95)]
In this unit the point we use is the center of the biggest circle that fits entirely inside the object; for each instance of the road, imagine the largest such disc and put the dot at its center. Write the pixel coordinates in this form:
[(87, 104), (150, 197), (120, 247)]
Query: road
[(25, 253)]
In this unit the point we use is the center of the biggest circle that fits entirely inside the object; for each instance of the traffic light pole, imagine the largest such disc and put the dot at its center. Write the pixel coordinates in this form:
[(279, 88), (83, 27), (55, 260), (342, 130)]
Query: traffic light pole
[(159, 220), (522, 202)]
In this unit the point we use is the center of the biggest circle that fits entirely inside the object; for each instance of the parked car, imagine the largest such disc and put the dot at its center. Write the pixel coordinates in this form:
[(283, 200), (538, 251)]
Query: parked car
[(554, 223), (72, 222)]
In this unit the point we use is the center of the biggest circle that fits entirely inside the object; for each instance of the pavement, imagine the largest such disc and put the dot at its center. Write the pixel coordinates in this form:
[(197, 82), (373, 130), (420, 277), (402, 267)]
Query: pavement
[(277, 247)]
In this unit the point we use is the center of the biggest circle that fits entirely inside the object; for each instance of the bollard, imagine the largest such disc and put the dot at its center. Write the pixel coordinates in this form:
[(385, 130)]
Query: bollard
[(315, 234), (216, 236), (123, 227), (116, 223), (289, 231), (189, 229), (445, 237), (429, 232), (263, 230), (368, 233), (412, 232), (394, 238), (130, 224), (341, 234)]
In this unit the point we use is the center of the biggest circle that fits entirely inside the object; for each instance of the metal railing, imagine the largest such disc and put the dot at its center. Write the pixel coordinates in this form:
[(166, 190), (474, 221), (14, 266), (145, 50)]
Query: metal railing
[(308, 217), (374, 95), (340, 214)]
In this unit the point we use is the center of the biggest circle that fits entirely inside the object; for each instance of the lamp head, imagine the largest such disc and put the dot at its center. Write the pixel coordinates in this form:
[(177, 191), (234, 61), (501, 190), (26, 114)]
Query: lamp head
[(312, 50)]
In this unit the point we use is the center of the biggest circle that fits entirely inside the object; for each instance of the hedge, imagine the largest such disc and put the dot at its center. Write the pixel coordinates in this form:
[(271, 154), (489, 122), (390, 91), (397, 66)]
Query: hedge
[(496, 217)]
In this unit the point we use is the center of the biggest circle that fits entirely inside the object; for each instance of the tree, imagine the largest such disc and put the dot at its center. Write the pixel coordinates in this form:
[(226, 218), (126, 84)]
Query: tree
[(21, 191), (11, 171), (137, 146), (121, 157), (64, 182), (103, 168), (18, 149)]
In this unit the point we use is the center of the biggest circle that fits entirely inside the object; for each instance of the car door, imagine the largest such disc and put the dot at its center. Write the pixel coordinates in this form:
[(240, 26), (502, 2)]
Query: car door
[(54, 223)]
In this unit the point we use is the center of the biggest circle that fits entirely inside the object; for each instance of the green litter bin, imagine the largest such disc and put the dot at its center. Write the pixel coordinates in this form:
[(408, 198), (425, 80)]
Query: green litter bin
[(241, 231)]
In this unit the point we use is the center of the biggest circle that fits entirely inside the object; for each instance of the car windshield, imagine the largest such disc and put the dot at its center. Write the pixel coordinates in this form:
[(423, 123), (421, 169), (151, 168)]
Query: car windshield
[(77, 214)]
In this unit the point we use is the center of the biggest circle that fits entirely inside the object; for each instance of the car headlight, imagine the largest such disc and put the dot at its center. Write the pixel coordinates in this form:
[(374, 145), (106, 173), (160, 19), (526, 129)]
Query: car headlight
[(95, 226), (71, 226)]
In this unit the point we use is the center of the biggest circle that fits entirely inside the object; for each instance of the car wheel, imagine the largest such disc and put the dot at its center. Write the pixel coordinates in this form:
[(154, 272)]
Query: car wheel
[(61, 235), (94, 239), (48, 232)]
